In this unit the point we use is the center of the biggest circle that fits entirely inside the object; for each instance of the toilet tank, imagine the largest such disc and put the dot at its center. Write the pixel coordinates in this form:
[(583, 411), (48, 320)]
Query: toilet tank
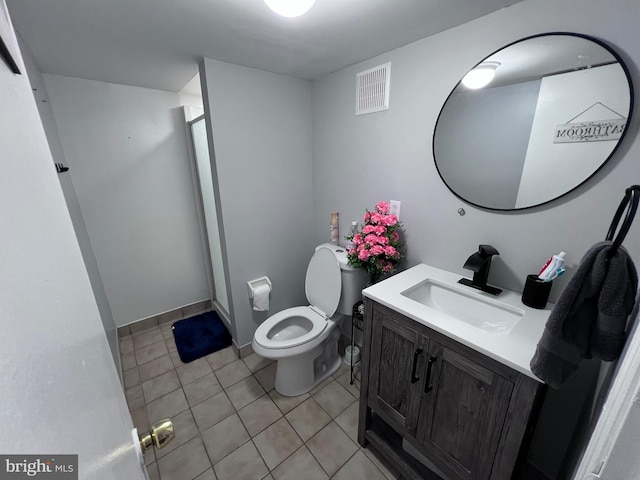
[(354, 280)]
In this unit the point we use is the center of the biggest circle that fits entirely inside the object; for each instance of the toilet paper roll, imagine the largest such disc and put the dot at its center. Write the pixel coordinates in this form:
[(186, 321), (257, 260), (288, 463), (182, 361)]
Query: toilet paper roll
[(261, 297)]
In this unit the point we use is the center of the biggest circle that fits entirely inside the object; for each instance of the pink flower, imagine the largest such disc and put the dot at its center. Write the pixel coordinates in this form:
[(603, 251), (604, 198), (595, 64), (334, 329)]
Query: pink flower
[(380, 230), (376, 247), (376, 218), (390, 220), (371, 239), (390, 250), (382, 207)]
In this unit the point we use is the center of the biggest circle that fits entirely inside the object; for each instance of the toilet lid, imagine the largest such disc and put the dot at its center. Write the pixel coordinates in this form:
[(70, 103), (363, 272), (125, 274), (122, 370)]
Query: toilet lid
[(323, 283)]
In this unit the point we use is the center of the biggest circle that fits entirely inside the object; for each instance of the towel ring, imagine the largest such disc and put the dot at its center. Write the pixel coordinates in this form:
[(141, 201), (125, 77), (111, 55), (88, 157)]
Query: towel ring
[(630, 200)]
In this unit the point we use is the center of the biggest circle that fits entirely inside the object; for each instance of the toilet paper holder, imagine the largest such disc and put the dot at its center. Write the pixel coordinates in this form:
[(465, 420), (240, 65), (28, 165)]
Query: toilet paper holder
[(257, 282)]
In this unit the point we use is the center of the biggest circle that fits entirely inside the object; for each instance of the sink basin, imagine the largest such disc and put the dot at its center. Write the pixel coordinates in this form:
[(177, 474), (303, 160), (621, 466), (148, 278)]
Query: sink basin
[(487, 314)]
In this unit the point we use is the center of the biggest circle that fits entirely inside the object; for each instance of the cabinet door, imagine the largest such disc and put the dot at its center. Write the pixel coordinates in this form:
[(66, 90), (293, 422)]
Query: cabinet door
[(397, 360), (463, 412)]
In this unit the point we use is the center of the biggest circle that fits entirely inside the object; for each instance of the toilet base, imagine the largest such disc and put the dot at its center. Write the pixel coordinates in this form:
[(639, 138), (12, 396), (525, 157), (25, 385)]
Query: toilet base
[(299, 374)]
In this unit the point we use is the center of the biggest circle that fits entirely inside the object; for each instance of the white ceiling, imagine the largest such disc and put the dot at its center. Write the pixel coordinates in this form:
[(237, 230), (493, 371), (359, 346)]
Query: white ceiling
[(158, 43)]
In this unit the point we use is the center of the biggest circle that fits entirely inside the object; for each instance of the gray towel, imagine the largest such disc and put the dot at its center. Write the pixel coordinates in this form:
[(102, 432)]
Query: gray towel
[(590, 317)]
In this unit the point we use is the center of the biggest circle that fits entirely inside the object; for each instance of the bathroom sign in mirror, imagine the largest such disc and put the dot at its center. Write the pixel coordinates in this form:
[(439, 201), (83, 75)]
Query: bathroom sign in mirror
[(593, 131), (552, 111)]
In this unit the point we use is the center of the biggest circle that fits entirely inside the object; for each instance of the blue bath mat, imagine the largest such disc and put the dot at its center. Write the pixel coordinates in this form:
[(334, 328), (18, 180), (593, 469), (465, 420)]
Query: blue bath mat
[(200, 335)]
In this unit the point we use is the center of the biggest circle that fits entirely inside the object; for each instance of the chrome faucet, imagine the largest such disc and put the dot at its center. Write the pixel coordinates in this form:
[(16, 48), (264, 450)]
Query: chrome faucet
[(479, 263)]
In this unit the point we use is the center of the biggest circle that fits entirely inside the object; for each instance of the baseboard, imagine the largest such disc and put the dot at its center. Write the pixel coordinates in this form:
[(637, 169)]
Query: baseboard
[(166, 317), (242, 352)]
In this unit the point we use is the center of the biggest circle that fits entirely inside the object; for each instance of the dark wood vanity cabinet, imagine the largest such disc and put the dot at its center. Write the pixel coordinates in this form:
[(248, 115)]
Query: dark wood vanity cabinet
[(464, 412)]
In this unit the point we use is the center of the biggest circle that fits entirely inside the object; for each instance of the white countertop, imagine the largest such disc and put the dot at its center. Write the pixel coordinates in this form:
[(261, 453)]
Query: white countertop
[(513, 348)]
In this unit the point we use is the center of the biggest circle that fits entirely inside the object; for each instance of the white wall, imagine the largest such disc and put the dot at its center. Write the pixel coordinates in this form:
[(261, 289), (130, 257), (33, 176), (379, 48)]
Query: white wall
[(358, 161), (59, 383), (191, 97), (126, 149), (260, 126)]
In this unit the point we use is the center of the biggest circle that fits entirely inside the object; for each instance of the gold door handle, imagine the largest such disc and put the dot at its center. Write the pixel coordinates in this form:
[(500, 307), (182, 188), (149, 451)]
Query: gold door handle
[(161, 434)]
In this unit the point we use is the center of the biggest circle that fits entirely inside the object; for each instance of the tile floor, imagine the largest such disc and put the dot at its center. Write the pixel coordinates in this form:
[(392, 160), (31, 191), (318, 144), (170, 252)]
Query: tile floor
[(230, 422)]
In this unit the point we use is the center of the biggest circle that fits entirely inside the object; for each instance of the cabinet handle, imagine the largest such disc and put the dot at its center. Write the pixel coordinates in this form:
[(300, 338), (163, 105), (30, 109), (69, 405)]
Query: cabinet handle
[(428, 386), (414, 379)]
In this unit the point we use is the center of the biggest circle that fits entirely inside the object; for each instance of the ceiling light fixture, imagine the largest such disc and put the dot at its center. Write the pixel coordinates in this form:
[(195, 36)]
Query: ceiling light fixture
[(481, 76), (290, 8)]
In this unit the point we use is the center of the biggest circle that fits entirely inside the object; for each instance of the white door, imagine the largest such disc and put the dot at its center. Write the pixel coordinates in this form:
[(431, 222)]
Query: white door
[(60, 393)]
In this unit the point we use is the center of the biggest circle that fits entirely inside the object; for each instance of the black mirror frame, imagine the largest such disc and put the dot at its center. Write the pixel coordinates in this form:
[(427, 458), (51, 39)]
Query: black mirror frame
[(604, 162)]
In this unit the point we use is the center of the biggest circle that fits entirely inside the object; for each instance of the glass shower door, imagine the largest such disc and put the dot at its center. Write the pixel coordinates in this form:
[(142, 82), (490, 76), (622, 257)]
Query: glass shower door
[(205, 178)]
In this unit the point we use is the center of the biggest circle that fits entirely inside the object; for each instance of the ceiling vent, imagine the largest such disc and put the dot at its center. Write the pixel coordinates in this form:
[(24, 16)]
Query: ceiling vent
[(372, 89)]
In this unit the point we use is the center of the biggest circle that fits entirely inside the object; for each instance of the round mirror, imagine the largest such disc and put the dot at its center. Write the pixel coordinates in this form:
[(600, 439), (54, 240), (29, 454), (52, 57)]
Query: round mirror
[(533, 121)]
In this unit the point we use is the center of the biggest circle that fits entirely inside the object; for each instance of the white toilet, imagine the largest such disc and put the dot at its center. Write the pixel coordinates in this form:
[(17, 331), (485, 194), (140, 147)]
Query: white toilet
[(304, 340)]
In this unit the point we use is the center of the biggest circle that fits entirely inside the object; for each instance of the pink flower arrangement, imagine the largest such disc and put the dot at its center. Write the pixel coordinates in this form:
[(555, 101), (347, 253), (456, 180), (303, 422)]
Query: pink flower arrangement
[(378, 246)]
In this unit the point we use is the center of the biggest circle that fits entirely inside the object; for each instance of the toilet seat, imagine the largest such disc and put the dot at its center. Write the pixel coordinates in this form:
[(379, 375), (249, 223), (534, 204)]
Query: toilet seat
[(299, 325), (294, 319)]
